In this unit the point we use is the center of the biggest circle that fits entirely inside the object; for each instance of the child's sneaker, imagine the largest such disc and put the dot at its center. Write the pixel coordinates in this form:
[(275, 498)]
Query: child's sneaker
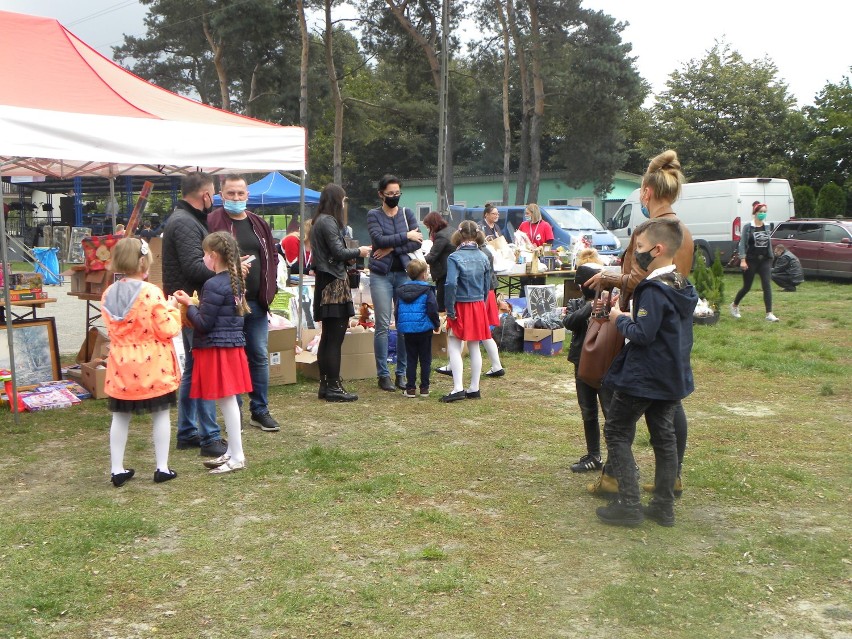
[(771, 318), (735, 311), (424, 391), (410, 393)]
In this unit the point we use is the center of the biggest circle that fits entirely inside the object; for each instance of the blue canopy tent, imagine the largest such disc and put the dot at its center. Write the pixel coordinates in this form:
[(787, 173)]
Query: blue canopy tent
[(273, 190)]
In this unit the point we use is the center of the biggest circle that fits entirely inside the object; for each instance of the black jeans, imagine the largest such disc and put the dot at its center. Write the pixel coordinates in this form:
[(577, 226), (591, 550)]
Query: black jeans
[(331, 341), (587, 398), (418, 346), (620, 430), (784, 282), (762, 268)]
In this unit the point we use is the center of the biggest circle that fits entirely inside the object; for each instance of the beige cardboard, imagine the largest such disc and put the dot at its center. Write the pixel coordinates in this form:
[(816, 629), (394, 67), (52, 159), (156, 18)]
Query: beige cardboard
[(282, 367), (93, 379)]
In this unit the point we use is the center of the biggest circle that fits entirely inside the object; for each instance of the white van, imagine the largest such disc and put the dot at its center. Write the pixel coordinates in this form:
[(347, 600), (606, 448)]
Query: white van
[(714, 212)]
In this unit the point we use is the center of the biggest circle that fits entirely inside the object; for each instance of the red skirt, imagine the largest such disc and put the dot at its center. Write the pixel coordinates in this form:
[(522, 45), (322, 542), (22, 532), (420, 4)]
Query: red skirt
[(219, 372), (491, 312), (471, 323)]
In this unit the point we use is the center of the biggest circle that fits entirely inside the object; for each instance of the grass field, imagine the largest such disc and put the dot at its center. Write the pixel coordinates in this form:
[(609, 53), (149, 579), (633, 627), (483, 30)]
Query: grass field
[(393, 517)]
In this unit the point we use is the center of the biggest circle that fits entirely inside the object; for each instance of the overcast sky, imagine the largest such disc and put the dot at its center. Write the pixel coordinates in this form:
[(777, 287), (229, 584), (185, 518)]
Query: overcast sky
[(809, 42)]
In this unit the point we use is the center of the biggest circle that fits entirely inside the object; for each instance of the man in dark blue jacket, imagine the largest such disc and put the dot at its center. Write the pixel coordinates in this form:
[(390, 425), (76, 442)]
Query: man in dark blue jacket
[(651, 375)]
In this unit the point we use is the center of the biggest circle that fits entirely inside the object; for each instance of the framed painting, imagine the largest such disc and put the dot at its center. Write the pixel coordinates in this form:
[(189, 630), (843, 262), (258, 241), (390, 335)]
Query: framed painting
[(75, 248), (36, 351), (62, 240), (541, 299)]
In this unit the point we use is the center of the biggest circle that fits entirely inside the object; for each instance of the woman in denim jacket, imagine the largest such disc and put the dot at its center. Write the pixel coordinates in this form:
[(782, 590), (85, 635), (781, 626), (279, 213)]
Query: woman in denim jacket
[(467, 286), (394, 234)]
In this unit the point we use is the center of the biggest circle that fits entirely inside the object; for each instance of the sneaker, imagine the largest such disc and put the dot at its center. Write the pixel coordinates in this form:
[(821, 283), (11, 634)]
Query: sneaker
[(265, 422), (587, 463), (444, 370), (214, 449), (661, 515), (617, 513), (424, 391), (603, 486), (409, 393), (771, 318), (678, 487), (192, 442), (161, 476), (735, 311), (215, 463), (228, 467), (119, 479), (497, 373)]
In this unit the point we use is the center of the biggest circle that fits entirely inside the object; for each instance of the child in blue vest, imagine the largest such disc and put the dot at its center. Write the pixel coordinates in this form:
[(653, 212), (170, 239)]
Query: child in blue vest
[(416, 319)]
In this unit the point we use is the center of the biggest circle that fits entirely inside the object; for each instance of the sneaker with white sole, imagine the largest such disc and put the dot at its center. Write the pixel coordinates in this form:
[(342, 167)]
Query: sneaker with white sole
[(215, 463), (228, 467), (410, 393), (771, 318), (735, 311), (587, 463)]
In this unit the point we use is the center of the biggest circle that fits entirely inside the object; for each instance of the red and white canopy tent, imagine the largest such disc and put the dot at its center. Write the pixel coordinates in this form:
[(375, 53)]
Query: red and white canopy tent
[(69, 111)]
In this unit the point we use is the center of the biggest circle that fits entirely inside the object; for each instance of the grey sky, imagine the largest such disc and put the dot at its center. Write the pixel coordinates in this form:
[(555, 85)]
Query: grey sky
[(808, 43)]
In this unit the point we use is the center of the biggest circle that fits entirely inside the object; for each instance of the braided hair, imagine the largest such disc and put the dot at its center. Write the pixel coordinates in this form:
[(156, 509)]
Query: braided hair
[(225, 246)]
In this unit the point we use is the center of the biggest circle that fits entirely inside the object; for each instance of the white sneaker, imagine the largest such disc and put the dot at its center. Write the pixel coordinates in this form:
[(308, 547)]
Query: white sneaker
[(735, 311), (771, 318), (215, 463)]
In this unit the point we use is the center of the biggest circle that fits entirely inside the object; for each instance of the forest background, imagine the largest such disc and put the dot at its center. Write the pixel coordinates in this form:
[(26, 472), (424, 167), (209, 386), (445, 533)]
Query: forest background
[(533, 85)]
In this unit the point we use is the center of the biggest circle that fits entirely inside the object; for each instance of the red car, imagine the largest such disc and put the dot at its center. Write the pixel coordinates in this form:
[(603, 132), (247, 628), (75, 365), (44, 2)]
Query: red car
[(823, 245)]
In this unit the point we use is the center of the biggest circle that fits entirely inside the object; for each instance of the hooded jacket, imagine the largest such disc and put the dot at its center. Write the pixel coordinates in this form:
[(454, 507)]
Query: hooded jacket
[(655, 362), (141, 363), (183, 257), (417, 308), (219, 220)]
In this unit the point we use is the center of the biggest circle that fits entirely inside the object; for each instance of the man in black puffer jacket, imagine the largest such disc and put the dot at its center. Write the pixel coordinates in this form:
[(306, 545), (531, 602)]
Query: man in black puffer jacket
[(183, 269)]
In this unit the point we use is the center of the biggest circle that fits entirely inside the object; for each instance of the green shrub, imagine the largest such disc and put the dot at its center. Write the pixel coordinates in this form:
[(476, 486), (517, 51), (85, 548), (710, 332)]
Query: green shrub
[(831, 201), (804, 200), (709, 282)]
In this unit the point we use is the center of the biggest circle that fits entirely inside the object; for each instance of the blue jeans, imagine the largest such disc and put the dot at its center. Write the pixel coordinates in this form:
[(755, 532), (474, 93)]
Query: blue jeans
[(195, 416), (383, 290), (622, 415), (256, 329)]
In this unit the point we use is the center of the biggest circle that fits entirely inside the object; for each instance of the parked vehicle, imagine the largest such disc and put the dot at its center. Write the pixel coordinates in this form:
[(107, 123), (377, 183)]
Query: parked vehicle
[(714, 212), (823, 246), (568, 223)]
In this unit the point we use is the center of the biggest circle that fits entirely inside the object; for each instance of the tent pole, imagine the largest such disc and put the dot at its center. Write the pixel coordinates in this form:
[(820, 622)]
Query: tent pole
[(301, 254), (4, 253), (113, 204)]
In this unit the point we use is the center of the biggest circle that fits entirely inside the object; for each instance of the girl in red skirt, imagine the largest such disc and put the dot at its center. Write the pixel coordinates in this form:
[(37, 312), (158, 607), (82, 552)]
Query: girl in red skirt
[(221, 369), (465, 293)]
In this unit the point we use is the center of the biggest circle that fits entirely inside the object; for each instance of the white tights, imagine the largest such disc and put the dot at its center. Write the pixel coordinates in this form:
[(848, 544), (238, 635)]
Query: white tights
[(118, 439), (454, 349), (231, 412), (493, 354)]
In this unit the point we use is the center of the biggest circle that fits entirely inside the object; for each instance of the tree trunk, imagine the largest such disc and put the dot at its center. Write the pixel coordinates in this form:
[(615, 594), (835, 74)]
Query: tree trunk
[(335, 93), (398, 10), (218, 50), (538, 102), (507, 129), (303, 65), (524, 150)]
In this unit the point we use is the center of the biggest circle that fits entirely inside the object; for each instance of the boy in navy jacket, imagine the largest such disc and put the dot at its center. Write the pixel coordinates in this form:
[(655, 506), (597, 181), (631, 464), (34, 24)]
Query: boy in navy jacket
[(416, 318), (650, 376)]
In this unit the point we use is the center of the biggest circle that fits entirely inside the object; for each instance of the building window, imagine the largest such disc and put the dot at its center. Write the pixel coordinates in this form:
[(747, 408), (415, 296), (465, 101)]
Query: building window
[(423, 209), (557, 202)]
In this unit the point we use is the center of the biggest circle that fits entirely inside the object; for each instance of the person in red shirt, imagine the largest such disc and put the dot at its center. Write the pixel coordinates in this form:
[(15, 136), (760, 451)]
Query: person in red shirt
[(539, 231), (290, 245)]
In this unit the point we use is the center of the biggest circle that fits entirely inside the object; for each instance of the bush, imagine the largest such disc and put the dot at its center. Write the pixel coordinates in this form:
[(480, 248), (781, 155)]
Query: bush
[(709, 282), (804, 200), (831, 201)]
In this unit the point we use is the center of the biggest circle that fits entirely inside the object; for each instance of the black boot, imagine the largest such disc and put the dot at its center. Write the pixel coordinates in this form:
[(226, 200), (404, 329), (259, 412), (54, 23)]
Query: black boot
[(336, 393), (323, 388)]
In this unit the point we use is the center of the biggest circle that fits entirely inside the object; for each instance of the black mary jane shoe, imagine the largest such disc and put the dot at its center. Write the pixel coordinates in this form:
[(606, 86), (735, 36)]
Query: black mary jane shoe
[(472, 395), (454, 397), (119, 479), (160, 476)]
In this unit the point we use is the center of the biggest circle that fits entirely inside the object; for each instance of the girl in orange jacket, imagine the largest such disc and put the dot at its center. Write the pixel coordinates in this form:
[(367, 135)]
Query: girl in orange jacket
[(142, 369)]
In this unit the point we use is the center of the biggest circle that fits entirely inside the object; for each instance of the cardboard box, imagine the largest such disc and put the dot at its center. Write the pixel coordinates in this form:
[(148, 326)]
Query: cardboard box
[(439, 346), (543, 341), (93, 378), (98, 281), (77, 277), (96, 346), (281, 350), (357, 358), (24, 296), (155, 275)]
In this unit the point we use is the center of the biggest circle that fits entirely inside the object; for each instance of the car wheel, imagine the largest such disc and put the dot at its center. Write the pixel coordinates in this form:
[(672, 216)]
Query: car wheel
[(703, 254)]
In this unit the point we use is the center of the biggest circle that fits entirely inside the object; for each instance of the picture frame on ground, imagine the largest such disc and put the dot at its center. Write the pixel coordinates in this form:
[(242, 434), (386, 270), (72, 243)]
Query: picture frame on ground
[(75, 248), (36, 351), (62, 241)]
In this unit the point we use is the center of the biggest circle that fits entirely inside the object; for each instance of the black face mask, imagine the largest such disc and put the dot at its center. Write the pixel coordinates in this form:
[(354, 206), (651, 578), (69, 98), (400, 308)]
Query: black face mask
[(643, 259), (392, 202), (207, 210)]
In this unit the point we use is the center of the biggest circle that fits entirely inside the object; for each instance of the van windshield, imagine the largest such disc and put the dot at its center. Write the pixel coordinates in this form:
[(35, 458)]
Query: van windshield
[(575, 219)]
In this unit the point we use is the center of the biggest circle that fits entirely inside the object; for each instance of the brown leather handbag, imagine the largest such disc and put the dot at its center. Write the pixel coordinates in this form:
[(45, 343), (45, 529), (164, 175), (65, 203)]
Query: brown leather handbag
[(603, 342)]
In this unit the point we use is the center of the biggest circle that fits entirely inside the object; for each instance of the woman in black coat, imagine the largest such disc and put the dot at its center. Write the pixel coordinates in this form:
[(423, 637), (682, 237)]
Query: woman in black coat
[(440, 234)]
